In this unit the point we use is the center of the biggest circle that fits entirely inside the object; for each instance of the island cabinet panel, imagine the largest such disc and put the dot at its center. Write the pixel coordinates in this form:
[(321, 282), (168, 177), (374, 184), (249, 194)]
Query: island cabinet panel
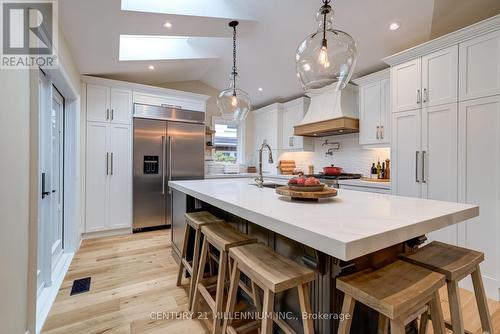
[(479, 183)]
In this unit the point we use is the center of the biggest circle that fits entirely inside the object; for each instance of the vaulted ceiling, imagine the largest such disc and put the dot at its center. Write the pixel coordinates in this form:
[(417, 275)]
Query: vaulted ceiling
[(269, 33)]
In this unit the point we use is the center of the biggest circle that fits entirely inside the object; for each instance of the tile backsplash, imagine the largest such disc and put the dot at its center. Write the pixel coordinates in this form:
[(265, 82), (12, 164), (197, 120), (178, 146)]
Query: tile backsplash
[(351, 156)]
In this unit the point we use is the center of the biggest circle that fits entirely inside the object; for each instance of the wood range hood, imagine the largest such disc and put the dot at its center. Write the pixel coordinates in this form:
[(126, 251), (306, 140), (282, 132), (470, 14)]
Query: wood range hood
[(330, 113)]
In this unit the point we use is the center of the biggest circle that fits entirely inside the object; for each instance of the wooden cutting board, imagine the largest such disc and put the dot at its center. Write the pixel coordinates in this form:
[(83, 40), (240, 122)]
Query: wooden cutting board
[(287, 167), (311, 195)]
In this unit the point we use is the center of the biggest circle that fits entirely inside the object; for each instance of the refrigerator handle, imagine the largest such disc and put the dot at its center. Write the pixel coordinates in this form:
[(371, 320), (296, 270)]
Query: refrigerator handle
[(163, 165), (169, 162)]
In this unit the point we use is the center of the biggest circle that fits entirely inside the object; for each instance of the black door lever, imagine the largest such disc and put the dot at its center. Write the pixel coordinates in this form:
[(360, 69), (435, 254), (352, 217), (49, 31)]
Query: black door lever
[(44, 193)]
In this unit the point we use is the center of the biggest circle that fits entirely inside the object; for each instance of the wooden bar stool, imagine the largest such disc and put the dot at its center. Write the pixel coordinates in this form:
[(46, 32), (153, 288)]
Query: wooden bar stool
[(399, 292), (194, 221), (455, 263), (223, 237), (273, 273)]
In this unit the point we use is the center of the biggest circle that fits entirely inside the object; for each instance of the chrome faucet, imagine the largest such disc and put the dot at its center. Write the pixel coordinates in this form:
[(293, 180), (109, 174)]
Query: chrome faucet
[(260, 179)]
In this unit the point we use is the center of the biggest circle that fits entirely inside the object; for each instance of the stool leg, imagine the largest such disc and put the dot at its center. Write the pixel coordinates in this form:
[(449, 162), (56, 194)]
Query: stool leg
[(305, 308), (267, 312), (482, 301), (221, 282), (347, 311), (256, 297), (457, 322), (383, 324), (397, 327), (183, 254), (437, 315), (199, 276), (196, 258), (231, 299), (424, 321)]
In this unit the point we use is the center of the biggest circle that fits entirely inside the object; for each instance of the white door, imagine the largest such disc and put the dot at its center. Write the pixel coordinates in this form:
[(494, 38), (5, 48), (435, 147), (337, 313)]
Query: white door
[(385, 111), (439, 161), (120, 176), (57, 177), (97, 174), (121, 106), (479, 182), (405, 143), (406, 86), (480, 67), (440, 77), (98, 103), (369, 113)]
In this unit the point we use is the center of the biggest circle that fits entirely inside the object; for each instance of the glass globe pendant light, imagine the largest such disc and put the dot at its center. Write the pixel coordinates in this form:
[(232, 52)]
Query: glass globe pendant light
[(233, 103), (327, 57)]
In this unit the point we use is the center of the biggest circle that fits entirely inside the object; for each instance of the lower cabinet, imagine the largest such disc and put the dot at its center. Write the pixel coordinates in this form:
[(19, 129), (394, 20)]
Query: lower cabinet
[(366, 189), (108, 202)]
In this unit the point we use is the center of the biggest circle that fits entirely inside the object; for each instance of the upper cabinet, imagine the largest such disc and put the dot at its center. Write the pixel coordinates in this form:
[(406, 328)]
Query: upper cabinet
[(267, 123), (427, 81), (480, 66), (106, 104), (374, 109), (293, 113)]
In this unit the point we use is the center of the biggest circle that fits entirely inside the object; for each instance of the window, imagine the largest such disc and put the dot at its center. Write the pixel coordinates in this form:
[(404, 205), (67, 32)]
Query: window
[(225, 142)]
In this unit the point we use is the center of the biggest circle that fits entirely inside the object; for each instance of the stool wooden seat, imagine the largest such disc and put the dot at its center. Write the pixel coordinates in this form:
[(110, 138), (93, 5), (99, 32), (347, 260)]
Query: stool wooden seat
[(194, 221), (399, 292), (455, 263), (273, 273), (223, 237)]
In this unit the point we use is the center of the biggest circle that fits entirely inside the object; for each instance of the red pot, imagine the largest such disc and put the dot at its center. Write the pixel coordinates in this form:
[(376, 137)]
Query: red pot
[(332, 170)]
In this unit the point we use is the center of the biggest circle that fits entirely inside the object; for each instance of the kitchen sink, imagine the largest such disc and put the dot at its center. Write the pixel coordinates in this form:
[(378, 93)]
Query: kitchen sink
[(268, 185)]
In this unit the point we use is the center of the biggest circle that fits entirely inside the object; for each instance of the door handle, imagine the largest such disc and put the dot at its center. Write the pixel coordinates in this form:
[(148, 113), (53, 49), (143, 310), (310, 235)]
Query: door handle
[(107, 163), (169, 162), (423, 166), (416, 166), (107, 114), (112, 114), (163, 165), (381, 132), (426, 95), (378, 132), (44, 192), (112, 163), (419, 98)]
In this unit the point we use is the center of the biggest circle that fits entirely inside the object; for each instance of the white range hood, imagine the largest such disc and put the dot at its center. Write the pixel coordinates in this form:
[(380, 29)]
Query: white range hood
[(330, 113)]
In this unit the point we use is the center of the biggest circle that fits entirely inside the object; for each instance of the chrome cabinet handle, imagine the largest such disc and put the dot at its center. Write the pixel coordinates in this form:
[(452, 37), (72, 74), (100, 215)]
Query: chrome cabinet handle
[(169, 162), (107, 163), (290, 141), (426, 95), (112, 114), (381, 132), (111, 163), (377, 132), (423, 166), (163, 165), (107, 114), (419, 98), (416, 167), (170, 106)]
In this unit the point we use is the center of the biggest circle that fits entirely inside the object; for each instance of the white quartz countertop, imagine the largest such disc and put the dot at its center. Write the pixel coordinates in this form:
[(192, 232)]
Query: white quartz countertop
[(348, 226)]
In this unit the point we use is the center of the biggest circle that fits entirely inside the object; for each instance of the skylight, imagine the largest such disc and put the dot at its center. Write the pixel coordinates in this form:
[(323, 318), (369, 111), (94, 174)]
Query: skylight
[(139, 47), (208, 8)]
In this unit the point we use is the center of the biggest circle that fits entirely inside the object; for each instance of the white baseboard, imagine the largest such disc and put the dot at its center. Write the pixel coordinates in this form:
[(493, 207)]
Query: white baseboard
[(108, 233), (491, 286)]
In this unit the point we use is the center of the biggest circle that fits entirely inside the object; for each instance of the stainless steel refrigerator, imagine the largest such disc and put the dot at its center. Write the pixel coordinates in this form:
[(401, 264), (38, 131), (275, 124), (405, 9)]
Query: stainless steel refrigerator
[(169, 144)]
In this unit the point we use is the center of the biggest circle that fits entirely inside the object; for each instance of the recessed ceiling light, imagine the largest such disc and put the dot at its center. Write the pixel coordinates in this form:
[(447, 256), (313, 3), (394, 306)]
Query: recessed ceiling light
[(151, 67), (260, 89), (167, 25), (394, 26)]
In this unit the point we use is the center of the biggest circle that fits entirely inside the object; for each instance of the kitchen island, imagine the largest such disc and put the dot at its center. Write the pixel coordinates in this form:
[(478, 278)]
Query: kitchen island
[(337, 236)]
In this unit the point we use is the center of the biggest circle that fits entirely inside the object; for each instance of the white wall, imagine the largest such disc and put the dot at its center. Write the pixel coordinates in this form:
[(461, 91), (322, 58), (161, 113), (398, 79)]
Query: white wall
[(351, 156), (14, 199)]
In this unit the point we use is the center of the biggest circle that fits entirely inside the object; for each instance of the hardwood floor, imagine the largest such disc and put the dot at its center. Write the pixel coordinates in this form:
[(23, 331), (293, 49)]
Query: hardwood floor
[(134, 276)]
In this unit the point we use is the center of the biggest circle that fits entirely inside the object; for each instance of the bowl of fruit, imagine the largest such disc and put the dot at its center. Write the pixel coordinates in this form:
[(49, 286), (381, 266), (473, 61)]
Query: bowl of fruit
[(305, 184)]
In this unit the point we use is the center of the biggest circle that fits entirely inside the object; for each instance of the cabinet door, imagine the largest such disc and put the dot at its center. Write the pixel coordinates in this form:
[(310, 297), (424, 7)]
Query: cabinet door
[(439, 161), (479, 182), (292, 116), (385, 112), (97, 174), (97, 103), (120, 176), (370, 107), (440, 77), (121, 106), (266, 128), (405, 152), (480, 67), (406, 88)]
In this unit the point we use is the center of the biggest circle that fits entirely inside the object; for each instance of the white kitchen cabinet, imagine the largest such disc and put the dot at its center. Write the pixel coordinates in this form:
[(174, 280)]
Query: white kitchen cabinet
[(425, 82), (374, 108), (479, 182), (405, 153), (366, 189), (440, 77), (480, 66), (174, 100), (267, 126), (108, 176), (293, 113), (106, 104)]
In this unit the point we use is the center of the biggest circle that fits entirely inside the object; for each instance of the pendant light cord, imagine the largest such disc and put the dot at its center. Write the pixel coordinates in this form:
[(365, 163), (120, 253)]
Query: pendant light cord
[(326, 10), (234, 61)]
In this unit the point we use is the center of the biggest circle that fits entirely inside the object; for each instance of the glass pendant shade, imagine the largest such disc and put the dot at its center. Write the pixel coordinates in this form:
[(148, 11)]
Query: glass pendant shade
[(327, 57), (233, 103)]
